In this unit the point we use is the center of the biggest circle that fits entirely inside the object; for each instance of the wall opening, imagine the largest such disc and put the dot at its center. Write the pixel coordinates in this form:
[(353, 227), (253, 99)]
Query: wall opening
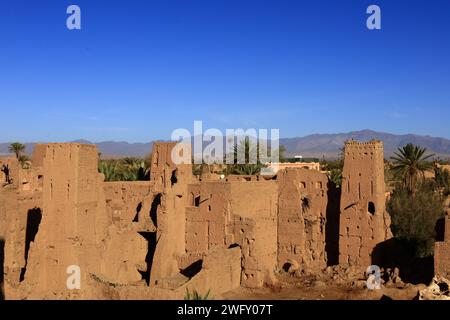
[(371, 207), (154, 209), (197, 201), (173, 178), (359, 191), (192, 269), (305, 203), (138, 209), (34, 217)]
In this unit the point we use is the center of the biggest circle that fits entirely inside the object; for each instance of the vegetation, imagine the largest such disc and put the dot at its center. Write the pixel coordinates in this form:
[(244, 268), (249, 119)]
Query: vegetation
[(409, 166), (125, 169), (416, 203), (250, 151), (414, 218), (334, 168), (442, 180), (194, 295), (24, 161), (282, 153), (335, 176), (17, 148)]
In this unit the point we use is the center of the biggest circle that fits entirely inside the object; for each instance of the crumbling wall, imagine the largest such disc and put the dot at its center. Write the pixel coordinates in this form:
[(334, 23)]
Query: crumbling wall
[(15, 212), (72, 225), (303, 201), (129, 204), (254, 208), (207, 215), (442, 253), (69, 227), (364, 222), (170, 180)]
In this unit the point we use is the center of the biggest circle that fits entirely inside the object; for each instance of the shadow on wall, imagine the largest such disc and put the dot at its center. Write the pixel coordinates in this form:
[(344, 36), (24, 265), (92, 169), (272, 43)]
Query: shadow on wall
[(33, 220), (332, 224), (2, 262), (152, 242), (395, 253)]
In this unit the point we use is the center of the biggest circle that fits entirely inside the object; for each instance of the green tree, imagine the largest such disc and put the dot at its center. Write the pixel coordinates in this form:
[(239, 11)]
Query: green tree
[(246, 158), (282, 153), (109, 168), (17, 148), (24, 161), (414, 218), (335, 176), (442, 180), (334, 168), (410, 164)]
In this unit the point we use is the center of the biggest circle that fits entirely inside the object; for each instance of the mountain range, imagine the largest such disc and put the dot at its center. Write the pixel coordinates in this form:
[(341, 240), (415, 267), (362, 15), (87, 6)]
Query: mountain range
[(315, 145)]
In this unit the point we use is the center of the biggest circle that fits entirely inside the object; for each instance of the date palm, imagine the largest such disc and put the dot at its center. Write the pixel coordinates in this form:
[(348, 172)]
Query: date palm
[(17, 148), (246, 158), (410, 164)]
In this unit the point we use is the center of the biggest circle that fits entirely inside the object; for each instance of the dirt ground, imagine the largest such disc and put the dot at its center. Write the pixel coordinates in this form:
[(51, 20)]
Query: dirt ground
[(290, 287)]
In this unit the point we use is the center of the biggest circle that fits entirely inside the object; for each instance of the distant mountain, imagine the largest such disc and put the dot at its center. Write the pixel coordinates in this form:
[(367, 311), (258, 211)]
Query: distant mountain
[(328, 145), (316, 145)]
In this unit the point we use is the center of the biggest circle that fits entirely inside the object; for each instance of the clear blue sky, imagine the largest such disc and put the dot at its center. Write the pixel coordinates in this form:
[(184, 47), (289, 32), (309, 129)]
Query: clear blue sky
[(139, 69)]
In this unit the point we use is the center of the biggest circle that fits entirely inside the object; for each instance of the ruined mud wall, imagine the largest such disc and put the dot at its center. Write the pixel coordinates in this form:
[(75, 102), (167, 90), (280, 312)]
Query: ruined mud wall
[(207, 216), (68, 226), (254, 208), (364, 222), (170, 183), (442, 253), (302, 217)]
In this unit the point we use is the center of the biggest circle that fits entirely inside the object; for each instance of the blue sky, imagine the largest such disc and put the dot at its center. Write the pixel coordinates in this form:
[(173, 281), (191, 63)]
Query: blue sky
[(137, 70)]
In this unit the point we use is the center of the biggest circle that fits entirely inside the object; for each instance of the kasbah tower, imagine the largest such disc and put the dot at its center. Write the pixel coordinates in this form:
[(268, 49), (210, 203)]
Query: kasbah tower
[(364, 222)]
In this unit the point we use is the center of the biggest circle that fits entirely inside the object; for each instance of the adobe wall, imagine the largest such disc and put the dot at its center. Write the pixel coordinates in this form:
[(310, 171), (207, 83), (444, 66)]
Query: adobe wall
[(207, 216), (364, 223), (170, 183), (254, 208), (15, 211), (70, 226), (302, 217), (155, 237), (129, 204), (237, 212), (442, 253)]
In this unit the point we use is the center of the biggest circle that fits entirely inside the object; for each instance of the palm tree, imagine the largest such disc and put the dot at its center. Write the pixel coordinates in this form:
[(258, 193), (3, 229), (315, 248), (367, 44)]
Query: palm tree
[(109, 169), (409, 164), (17, 148), (24, 161), (249, 151)]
